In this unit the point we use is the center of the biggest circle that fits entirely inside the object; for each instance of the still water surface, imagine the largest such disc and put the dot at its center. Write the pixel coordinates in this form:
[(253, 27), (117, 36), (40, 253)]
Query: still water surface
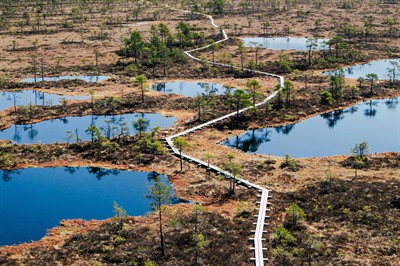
[(58, 78), (190, 89), (382, 68), (58, 130), (35, 199), (284, 43), (333, 133), (24, 97)]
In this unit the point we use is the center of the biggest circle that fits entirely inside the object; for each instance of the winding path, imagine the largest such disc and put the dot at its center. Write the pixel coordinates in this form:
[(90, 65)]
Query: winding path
[(264, 193)]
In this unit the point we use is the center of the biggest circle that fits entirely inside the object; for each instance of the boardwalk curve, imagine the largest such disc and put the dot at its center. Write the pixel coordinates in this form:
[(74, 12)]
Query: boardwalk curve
[(264, 193)]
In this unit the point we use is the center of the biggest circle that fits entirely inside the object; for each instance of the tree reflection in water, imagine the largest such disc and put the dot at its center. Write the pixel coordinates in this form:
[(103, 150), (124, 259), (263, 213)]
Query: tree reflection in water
[(7, 175), (371, 111), (208, 88), (17, 135), (70, 170), (251, 140), (101, 172), (159, 87), (364, 120), (391, 103), (285, 130), (188, 88), (64, 120), (333, 117), (152, 176), (52, 130), (32, 132), (23, 97), (352, 110)]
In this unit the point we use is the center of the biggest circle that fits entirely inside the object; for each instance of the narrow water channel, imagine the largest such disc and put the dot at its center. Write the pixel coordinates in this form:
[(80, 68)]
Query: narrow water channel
[(191, 89), (59, 78), (285, 43), (24, 97), (68, 129)]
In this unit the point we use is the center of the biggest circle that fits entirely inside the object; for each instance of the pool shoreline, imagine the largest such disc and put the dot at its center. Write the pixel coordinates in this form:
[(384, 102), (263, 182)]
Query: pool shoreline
[(137, 204), (260, 136)]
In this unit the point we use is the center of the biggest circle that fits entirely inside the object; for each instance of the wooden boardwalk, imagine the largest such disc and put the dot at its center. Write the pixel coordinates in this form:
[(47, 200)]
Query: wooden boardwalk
[(264, 193)]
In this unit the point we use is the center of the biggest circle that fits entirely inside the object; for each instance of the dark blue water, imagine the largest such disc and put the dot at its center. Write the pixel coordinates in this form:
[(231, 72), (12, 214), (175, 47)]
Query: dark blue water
[(24, 97), (84, 78), (58, 130), (190, 89), (284, 43), (379, 67), (333, 133), (35, 199)]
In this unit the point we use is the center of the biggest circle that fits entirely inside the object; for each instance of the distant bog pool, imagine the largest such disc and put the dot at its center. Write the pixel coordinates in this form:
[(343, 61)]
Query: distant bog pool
[(382, 68), (284, 43), (59, 78), (67, 128), (24, 97), (33, 200), (190, 89), (376, 122)]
